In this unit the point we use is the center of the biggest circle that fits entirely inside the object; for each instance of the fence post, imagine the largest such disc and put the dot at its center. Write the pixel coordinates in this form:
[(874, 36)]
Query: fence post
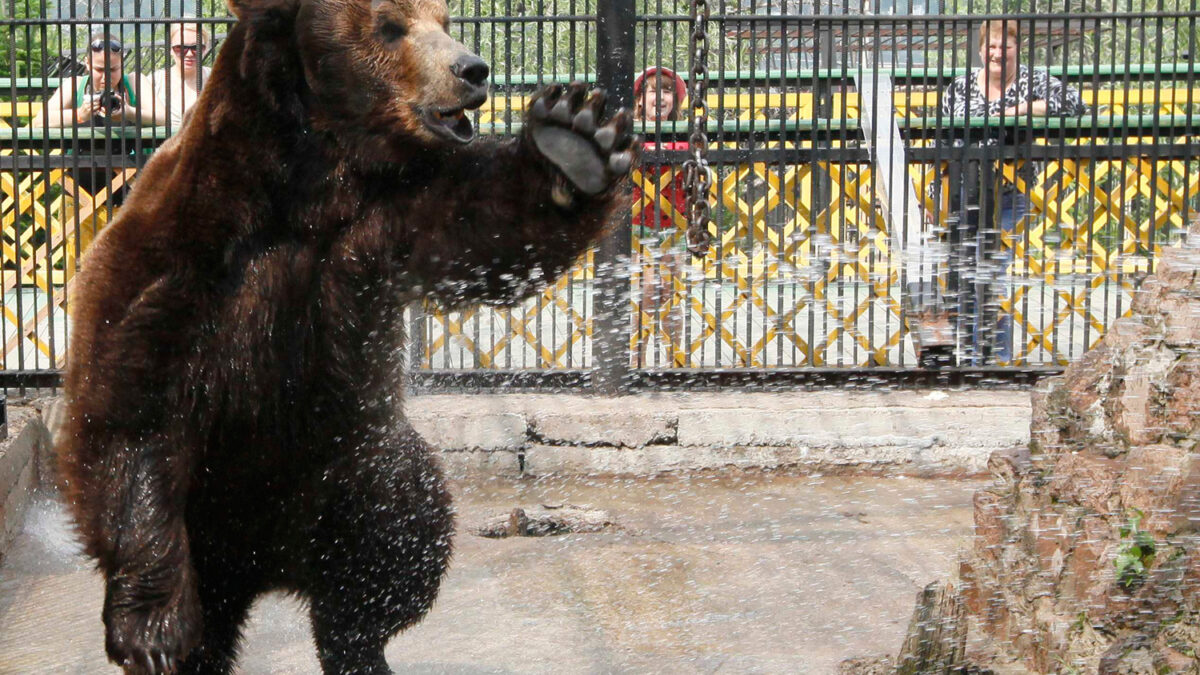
[(612, 322)]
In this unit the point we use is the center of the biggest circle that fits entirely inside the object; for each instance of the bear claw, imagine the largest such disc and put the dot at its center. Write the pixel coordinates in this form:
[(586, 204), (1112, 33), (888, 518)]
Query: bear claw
[(584, 122), (561, 112), (151, 635), (147, 661), (605, 138), (620, 162)]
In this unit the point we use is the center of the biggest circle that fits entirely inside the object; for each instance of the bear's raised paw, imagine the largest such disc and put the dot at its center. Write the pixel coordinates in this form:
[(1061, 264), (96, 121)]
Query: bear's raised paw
[(564, 123)]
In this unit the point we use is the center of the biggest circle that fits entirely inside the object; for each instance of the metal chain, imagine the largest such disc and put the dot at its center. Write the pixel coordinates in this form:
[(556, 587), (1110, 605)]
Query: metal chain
[(696, 174)]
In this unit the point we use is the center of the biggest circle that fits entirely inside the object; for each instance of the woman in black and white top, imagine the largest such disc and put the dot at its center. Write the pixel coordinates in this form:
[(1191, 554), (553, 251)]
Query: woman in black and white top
[(1005, 85), (1006, 88)]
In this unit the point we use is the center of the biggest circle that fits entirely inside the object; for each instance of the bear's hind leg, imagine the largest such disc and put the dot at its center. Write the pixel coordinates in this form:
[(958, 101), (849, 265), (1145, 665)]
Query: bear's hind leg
[(225, 602), (133, 506), (345, 651), (380, 550)]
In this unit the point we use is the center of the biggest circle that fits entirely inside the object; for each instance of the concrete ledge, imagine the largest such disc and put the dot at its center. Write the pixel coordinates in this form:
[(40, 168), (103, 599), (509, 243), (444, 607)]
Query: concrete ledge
[(485, 430), (629, 428), (906, 426), (546, 460), (931, 432), (494, 463), (921, 432), (19, 469)]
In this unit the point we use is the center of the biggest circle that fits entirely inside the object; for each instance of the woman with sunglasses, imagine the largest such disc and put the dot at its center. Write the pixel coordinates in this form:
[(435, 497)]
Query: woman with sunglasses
[(176, 88)]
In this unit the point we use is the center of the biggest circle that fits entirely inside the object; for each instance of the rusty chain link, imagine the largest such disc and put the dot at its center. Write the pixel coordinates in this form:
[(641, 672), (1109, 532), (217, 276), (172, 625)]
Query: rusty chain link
[(697, 179)]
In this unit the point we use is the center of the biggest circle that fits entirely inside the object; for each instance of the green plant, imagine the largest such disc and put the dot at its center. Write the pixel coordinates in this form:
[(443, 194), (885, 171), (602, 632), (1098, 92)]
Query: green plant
[(1081, 621), (1136, 553)]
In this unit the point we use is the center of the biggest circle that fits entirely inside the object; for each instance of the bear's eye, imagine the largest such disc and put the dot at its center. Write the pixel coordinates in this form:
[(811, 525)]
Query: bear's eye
[(391, 31)]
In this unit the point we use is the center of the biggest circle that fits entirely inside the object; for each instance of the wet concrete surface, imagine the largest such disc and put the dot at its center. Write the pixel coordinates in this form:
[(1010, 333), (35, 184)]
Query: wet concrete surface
[(732, 571)]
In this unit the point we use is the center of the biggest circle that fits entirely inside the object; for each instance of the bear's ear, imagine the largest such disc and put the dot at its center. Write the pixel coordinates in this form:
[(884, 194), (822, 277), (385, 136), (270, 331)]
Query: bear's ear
[(247, 10)]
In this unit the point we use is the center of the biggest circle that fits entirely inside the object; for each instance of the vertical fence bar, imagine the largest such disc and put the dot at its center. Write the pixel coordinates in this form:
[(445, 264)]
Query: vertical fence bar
[(611, 323)]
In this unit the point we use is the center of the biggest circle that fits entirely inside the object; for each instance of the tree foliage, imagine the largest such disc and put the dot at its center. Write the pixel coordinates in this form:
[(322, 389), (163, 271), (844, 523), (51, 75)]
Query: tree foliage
[(556, 39), (1167, 33), (24, 49)]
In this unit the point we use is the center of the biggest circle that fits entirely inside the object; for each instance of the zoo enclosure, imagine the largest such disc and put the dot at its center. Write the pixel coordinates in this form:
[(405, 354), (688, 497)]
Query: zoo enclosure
[(822, 236)]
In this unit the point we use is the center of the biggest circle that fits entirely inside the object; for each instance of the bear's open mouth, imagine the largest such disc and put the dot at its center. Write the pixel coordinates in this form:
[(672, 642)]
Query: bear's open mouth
[(450, 123)]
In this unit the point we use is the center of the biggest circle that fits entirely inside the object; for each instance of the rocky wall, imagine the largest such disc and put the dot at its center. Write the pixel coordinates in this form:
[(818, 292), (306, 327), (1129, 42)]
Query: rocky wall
[(1085, 556)]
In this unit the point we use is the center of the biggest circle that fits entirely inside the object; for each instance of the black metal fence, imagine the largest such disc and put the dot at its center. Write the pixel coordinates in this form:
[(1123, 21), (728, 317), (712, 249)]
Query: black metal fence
[(880, 211)]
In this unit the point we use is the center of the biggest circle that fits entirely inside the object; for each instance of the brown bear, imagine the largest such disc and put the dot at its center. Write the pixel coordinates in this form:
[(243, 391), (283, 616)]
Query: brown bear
[(234, 420)]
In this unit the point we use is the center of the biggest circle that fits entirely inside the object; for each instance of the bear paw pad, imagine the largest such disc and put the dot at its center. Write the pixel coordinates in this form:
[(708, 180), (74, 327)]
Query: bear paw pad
[(563, 126)]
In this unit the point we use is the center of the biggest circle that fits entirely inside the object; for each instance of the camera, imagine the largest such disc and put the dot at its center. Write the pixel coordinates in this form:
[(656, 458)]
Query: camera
[(109, 102)]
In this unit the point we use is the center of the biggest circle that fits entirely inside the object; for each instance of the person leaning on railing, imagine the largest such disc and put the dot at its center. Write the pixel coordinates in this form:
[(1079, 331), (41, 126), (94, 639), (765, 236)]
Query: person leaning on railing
[(106, 96), (1005, 88)]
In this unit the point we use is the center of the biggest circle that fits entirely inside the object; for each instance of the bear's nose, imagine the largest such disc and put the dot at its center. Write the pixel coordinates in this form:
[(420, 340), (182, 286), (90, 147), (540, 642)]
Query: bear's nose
[(472, 69)]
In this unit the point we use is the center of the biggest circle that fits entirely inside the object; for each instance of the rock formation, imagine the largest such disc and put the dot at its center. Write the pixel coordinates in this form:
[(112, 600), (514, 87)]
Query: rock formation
[(1086, 557)]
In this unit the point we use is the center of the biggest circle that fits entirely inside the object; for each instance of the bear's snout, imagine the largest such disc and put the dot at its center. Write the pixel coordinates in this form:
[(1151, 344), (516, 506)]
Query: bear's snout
[(472, 75), (471, 69)]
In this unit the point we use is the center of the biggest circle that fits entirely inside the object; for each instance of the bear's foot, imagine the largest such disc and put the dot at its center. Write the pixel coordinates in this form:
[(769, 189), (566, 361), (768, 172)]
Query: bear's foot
[(356, 660), (564, 126), (152, 621)]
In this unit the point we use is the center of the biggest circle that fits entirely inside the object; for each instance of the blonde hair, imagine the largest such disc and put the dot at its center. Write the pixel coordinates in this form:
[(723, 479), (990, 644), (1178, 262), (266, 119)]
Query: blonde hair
[(177, 29), (986, 28)]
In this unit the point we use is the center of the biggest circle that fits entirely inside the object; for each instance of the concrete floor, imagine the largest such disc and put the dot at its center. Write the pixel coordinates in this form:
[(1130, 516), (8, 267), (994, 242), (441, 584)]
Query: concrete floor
[(733, 571)]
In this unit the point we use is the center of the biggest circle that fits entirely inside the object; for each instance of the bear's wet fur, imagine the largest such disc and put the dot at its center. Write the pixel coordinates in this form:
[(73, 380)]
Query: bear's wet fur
[(233, 385)]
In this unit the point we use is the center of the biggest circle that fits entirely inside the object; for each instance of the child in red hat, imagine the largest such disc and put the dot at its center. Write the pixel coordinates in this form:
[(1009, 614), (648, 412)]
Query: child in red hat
[(659, 94)]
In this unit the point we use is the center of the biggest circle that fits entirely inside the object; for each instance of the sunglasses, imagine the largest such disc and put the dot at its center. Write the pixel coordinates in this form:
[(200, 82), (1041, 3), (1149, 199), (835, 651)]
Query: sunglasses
[(179, 49), (110, 45)]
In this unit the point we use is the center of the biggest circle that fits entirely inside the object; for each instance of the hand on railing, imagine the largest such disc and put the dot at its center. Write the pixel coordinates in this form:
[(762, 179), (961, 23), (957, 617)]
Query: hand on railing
[(1025, 108)]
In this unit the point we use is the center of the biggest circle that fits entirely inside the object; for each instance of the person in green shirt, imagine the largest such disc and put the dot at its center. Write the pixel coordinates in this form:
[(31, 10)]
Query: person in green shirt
[(105, 95)]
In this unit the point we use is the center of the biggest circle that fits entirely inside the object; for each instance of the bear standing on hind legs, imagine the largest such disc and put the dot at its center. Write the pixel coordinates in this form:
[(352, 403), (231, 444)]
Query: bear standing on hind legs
[(234, 424)]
